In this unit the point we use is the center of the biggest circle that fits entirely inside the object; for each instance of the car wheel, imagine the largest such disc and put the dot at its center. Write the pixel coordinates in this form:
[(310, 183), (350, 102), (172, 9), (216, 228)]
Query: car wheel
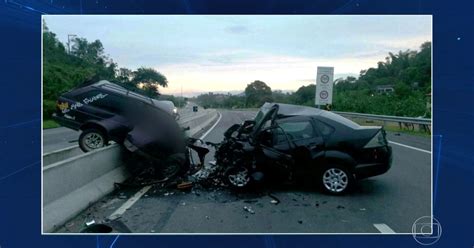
[(336, 179), (173, 165), (91, 139), (238, 177)]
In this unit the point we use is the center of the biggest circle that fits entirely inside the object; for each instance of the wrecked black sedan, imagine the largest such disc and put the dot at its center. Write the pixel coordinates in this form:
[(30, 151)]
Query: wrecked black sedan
[(285, 142), (105, 111)]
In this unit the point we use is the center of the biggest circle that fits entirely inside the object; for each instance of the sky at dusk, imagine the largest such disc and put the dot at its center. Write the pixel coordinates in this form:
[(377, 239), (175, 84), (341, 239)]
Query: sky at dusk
[(223, 53)]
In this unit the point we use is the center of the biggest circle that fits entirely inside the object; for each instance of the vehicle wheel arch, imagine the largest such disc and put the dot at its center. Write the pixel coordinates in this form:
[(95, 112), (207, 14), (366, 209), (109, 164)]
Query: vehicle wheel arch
[(94, 125), (338, 157), (93, 136)]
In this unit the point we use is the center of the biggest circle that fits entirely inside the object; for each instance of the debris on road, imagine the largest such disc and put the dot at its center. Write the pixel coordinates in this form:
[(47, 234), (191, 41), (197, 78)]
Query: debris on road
[(248, 209), (184, 185), (274, 200), (90, 223)]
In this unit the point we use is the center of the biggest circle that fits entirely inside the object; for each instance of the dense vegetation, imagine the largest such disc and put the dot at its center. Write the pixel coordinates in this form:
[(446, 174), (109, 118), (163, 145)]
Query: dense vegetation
[(64, 69), (408, 73)]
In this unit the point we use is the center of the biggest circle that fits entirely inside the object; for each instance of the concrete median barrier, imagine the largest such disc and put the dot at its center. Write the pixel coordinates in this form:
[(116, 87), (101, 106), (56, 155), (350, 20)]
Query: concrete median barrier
[(60, 155), (70, 185), (199, 122)]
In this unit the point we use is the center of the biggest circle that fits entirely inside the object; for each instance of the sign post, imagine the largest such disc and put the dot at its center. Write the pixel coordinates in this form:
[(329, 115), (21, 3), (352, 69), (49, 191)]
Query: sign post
[(324, 85)]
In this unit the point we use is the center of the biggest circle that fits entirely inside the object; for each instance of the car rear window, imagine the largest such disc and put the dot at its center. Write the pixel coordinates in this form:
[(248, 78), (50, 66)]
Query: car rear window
[(107, 101), (324, 128)]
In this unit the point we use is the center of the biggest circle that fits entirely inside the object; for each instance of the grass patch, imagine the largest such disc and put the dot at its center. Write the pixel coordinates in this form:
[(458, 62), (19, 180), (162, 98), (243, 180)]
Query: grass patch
[(407, 131), (47, 124), (391, 126)]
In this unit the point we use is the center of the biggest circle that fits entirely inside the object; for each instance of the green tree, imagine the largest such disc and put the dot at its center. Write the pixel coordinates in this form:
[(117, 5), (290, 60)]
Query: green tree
[(150, 79), (63, 71), (304, 95), (257, 93)]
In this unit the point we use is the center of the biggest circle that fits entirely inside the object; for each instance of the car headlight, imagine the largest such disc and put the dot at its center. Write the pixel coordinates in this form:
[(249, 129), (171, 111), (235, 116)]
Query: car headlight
[(175, 110)]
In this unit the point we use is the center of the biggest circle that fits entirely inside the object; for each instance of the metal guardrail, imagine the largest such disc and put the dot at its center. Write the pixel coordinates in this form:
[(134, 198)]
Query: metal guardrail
[(388, 118)]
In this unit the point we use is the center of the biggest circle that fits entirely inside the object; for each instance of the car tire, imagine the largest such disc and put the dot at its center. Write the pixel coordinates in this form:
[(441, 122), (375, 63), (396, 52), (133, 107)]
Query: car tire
[(174, 165), (91, 139), (336, 179), (238, 178)]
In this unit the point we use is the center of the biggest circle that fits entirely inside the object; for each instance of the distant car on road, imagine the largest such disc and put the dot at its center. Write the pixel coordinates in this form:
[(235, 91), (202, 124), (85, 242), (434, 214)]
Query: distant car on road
[(288, 141), (105, 111)]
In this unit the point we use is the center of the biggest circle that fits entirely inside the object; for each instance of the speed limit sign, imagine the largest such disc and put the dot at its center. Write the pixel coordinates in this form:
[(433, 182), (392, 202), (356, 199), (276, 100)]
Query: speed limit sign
[(323, 94), (324, 79), (324, 85)]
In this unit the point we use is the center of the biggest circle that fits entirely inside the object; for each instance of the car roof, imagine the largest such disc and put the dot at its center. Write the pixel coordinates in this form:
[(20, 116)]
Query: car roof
[(293, 110), (287, 110), (104, 84)]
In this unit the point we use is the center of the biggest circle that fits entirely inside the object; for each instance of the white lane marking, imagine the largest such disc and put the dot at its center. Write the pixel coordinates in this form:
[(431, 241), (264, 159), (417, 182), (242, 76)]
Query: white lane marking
[(383, 228), (128, 204), (213, 126), (411, 147)]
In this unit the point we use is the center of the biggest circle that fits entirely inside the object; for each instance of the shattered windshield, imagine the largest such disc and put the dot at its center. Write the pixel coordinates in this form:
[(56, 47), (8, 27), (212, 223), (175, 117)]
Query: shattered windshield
[(259, 116)]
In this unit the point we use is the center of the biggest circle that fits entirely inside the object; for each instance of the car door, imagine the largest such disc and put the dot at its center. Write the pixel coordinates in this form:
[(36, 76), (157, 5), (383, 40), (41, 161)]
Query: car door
[(306, 143), (273, 152), (87, 99)]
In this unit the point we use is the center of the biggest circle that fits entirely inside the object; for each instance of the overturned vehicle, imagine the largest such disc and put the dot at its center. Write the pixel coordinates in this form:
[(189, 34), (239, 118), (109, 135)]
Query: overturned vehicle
[(104, 111), (287, 142)]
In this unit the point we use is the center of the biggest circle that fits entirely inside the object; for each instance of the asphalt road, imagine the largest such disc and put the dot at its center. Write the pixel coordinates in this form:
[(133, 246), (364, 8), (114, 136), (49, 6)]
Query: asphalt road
[(387, 203), (59, 138)]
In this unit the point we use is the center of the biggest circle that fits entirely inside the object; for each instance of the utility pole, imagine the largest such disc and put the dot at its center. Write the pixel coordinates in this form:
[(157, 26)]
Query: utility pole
[(69, 36)]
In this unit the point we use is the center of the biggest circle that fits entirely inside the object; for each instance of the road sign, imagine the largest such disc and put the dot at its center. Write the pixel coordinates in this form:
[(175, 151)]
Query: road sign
[(324, 85), (323, 94)]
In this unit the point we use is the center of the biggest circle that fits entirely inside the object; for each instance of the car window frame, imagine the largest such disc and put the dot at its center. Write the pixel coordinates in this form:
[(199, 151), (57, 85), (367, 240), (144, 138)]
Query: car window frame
[(316, 132), (333, 129), (79, 98)]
